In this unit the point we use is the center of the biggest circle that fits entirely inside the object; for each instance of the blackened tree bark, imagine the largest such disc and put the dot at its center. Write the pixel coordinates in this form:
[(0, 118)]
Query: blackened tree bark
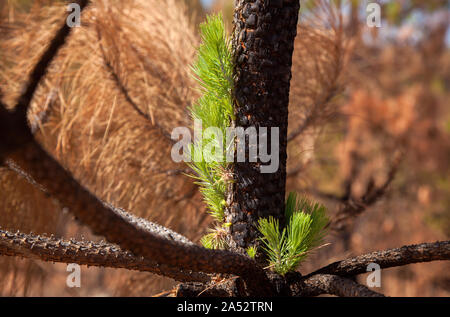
[(149, 247), (263, 43)]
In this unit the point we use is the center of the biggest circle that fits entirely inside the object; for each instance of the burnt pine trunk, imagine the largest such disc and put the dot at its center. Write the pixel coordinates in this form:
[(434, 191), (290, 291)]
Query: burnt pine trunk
[(263, 44)]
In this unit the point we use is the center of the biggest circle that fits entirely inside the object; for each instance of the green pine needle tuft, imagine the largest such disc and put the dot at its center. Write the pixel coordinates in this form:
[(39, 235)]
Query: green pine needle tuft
[(304, 231), (215, 239), (213, 70), (305, 220), (251, 252)]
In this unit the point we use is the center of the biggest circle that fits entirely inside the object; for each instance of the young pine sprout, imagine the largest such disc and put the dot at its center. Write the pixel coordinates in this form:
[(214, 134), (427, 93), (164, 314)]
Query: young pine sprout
[(305, 230), (213, 70)]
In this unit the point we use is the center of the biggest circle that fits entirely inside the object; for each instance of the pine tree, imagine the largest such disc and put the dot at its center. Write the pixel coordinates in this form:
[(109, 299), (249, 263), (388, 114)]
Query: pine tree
[(245, 82)]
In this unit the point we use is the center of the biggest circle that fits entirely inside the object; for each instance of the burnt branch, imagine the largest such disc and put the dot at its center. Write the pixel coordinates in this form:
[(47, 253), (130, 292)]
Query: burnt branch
[(42, 66), (17, 119), (135, 234), (334, 285), (149, 240), (353, 207), (417, 253), (40, 168), (88, 253), (263, 44), (140, 222), (293, 284)]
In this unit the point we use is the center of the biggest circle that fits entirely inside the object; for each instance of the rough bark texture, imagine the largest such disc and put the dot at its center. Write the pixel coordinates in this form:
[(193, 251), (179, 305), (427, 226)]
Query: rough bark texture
[(141, 237), (19, 117), (263, 43), (40, 69), (144, 239), (334, 285), (226, 287), (89, 253), (424, 252), (292, 284)]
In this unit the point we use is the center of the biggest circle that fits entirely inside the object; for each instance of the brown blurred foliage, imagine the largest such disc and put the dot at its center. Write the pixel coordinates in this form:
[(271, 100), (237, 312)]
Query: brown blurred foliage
[(94, 130), (122, 82)]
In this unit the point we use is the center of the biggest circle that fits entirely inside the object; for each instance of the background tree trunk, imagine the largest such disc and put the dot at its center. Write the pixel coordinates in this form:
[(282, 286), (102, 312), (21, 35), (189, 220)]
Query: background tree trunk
[(263, 43)]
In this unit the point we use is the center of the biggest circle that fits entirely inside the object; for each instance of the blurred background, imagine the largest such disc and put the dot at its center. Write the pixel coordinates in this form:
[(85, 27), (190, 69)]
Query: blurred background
[(369, 129)]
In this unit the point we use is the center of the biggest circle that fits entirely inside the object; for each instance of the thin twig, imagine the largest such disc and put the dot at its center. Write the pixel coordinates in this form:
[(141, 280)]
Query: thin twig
[(353, 207), (43, 116)]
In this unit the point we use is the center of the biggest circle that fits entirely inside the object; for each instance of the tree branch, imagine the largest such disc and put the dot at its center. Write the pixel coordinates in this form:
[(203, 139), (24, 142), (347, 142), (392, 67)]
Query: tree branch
[(334, 285), (151, 241), (292, 284), (424, 252), (140, 222), (135, 234), (353, 207), (41, 67), (86, 253), (4, 145), (17, 120)]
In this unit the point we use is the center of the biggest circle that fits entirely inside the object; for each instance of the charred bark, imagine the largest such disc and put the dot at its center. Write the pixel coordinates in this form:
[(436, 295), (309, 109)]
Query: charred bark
[(263, 43), (102, 254), (408, 254)]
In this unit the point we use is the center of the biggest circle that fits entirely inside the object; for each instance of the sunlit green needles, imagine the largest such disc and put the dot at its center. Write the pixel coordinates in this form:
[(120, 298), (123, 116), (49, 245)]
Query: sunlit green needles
[(305, 221), (304, 231), (213, 70)]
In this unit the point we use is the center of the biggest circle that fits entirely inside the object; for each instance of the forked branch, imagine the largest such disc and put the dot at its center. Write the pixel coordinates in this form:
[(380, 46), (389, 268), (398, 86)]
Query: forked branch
[(353, 207), (17, 120), (135, 234), (153, 242), (41, 67), (333, 279), (150, 247)]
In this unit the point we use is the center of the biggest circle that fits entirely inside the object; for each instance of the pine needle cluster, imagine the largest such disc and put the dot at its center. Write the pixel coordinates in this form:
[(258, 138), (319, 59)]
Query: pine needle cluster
[(213, 70), (304, 231)]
